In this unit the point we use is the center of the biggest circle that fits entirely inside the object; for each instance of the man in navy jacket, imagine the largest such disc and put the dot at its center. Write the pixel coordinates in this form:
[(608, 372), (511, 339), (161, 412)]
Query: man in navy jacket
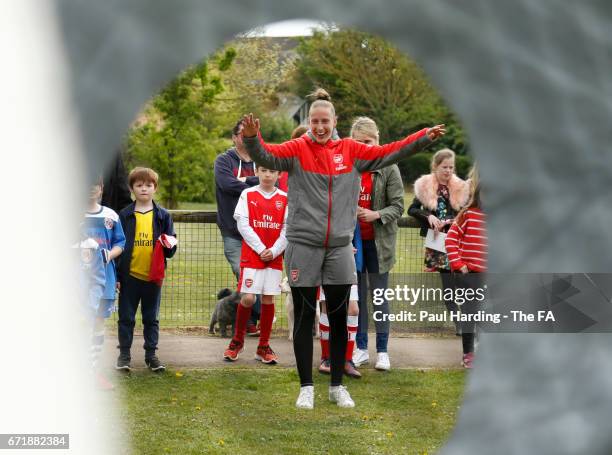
[(234, 172)]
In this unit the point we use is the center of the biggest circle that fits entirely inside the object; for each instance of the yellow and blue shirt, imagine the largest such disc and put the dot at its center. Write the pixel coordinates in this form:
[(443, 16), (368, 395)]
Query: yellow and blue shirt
[(160, 222), (140, 264)]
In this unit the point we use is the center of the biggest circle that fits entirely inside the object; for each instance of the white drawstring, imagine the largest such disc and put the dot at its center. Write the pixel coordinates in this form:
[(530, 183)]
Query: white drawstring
[(240, 167)]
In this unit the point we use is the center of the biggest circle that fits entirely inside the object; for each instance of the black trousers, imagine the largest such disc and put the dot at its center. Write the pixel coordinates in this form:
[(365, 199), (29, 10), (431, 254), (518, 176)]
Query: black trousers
[(148, 295), (304, 302)]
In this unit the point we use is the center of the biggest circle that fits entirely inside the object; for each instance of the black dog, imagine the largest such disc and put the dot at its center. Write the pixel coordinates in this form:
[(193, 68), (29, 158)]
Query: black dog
[(225, 311)]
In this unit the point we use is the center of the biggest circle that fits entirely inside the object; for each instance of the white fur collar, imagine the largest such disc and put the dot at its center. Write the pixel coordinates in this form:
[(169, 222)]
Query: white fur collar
[(426, 191)]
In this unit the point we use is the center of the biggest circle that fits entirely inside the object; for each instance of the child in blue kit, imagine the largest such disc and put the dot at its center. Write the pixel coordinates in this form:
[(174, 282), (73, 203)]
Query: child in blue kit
[(92, 277), (92, 280), (102, 225)]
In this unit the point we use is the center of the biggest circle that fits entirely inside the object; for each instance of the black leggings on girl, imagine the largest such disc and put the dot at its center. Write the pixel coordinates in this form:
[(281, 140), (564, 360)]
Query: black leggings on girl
[(459, 281), (304, 301)]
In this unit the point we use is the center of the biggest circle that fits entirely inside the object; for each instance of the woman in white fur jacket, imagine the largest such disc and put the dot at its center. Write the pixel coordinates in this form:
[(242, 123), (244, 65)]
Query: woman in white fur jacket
[(438, 197)]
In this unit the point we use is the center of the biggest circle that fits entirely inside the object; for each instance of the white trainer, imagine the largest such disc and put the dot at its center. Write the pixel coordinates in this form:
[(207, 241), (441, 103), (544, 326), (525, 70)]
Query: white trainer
[(305, 399), (360, 357), (382, 362), (340, 396)]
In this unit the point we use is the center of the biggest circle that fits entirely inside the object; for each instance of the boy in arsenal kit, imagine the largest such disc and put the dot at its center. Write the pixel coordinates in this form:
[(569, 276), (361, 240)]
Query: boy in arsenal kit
[(260, 214)]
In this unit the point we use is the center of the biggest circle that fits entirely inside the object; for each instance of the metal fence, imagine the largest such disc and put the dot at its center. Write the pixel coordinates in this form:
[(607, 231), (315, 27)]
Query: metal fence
[(199, 270)]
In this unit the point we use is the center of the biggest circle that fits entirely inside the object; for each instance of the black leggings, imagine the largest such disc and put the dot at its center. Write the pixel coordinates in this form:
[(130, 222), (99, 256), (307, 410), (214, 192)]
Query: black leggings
[(465, 281), (448, 282), (304, 303)]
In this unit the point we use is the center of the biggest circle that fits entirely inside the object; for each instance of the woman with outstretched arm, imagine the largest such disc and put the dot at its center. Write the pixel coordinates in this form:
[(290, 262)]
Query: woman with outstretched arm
[(324, 177)]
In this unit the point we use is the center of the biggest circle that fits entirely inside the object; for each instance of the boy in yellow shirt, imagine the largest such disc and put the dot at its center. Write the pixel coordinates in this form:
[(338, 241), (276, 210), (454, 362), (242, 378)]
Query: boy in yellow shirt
[(144, 224)]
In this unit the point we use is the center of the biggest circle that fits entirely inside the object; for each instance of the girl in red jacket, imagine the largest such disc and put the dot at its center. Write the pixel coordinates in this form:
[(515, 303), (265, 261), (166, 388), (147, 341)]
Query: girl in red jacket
[(466, 247)]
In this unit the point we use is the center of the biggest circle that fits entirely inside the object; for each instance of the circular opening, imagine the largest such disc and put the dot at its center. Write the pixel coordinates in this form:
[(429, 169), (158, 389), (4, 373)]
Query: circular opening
[(271, 71)]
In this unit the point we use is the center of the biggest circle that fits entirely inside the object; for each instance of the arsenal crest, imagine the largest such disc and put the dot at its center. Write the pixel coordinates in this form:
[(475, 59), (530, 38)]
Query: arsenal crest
[(338, 158), (279, 205), (108, 223), (295, 274), (248, 282)]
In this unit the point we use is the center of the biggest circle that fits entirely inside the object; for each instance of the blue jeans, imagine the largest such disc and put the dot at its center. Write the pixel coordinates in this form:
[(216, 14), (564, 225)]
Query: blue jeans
[(232, 248), (376, 281)]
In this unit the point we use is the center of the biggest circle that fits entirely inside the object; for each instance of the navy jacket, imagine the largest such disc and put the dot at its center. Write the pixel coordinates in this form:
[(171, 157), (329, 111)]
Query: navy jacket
[(228, 188), (162, 224)]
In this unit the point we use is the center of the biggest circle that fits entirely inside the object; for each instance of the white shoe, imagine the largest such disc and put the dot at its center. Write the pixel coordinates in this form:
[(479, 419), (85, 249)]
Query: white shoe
[(306, 398), (340, 396), (382, 362), (360, 357)]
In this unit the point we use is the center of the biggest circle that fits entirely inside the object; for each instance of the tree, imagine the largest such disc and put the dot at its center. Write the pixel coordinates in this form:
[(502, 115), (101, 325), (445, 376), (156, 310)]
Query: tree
[(175, 137), (183, 128), (252, 84), (366, 75)]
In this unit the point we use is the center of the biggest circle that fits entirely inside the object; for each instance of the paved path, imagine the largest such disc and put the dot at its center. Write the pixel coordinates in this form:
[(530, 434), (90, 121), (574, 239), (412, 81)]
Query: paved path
[(179, 350)]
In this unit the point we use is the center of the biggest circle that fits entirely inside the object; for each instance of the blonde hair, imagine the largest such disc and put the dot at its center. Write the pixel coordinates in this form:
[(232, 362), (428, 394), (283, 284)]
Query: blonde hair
[(365, 125), (440, 156), (142, 174), (475, 200), (474, 178), (321, 99)]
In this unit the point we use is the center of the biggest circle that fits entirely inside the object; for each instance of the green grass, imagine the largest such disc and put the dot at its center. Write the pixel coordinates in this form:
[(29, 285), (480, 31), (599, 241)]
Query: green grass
[(250, 411)]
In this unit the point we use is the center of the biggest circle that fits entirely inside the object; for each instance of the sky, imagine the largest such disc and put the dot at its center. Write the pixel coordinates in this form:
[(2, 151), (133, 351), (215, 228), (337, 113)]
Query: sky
[(295, 27)]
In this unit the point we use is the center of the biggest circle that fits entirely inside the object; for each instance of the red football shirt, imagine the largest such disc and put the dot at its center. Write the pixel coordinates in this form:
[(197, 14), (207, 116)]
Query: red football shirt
[(266, 215), (365, 201)]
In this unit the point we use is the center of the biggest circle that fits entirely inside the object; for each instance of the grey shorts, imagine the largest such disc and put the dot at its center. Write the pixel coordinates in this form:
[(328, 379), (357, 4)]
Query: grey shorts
[(309, 266)]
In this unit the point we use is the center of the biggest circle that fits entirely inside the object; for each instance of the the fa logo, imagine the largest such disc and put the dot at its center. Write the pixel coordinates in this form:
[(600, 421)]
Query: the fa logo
[(108, 223), (248, 282), (279, 205), (338, 158)]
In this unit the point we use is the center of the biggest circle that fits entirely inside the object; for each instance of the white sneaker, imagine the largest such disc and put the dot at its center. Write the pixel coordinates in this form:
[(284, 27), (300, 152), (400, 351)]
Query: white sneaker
[(360, 357), (306, 398), (382, 362), (340, 396)]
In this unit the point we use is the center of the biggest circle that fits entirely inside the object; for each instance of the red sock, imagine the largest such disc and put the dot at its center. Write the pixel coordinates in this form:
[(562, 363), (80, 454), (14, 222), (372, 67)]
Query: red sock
[(351, 325), (265, 323), (242, 316), (324, 328)]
